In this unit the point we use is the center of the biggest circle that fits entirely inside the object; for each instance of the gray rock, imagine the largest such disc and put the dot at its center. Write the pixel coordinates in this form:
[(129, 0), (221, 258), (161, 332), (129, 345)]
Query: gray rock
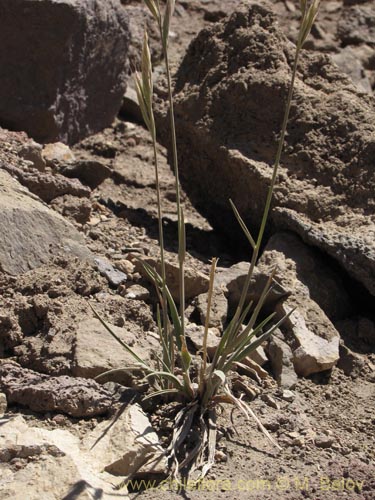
[(63, 82), (76, 397), (326, 183), (288, 396), (281, 358), (32, 151), (113, 275), (32, 233)]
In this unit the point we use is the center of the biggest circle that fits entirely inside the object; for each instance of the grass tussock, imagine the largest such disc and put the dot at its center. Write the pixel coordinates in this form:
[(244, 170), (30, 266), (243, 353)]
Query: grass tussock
[(173, 375)]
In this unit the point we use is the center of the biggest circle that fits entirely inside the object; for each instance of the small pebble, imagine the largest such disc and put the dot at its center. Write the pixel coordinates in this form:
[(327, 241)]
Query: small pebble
[(270, 401), (220, 456), (322, 441), (288, 396), (137, 292)]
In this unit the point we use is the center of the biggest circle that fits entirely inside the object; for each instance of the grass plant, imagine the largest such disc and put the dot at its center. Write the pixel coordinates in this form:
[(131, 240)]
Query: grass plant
[(173, 374)]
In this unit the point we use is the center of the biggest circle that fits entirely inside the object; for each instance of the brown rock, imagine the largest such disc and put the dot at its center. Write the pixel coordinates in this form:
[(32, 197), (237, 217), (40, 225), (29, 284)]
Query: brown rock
[(62, 83), (89, 172), (76, 397), (326, 184), (232, 280), (219, 308), (350, 362), (303, 270), (316, 338), (196, 334), (96, 351), (366, 331), (130, 108), (70, 206), (47, 185), (32, 233), (259, 356)]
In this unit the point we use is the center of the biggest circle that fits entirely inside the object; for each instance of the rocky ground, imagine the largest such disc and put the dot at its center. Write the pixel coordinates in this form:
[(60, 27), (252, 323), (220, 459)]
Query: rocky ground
[(74, 222)]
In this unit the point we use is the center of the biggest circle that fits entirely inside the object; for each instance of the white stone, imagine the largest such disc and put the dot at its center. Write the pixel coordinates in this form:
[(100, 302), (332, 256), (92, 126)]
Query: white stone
[(126, 444)]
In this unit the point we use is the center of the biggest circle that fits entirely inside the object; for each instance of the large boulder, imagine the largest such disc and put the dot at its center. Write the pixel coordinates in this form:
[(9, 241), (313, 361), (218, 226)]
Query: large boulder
[(231, 91), (137, 449), (51, 464), (32, 233), (76, 397), (63, 66)]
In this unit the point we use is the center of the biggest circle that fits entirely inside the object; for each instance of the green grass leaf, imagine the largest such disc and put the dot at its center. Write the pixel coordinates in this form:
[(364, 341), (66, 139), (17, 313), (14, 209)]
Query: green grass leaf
[(242, 224)]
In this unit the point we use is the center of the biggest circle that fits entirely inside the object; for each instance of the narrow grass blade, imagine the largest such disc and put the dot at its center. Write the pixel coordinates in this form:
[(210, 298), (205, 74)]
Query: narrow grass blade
[(185, 358), (242, 344), (160, 393), (248, 412), (207, 322), (123, 344), (169, 376), (182, 237), (243, 225), (183, 423), (118, 371), (156, 278), (245, 352), (222, 349)]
